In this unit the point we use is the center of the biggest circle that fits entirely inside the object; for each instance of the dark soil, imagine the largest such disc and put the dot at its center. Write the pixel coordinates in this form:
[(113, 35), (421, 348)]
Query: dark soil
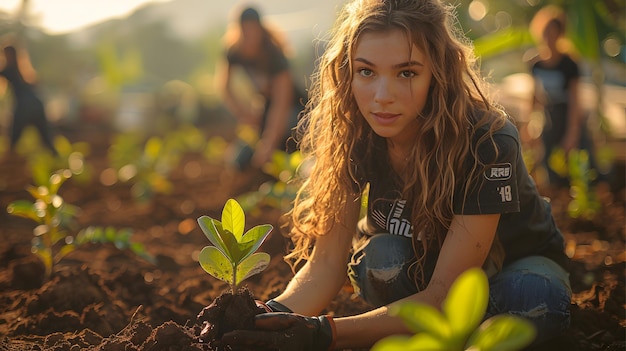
[(103, 298), (227, 313)]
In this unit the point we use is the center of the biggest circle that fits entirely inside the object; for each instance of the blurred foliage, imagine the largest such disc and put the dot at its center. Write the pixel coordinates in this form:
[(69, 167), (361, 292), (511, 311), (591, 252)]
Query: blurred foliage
[(575, 166), (584, 203), (41, 163), (52, 215), (147, 161), (56, 219), (145, 164), (279, 192)]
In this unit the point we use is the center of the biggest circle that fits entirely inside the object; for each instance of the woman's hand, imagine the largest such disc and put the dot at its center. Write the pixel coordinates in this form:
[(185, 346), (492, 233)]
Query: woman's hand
[(262, 154)]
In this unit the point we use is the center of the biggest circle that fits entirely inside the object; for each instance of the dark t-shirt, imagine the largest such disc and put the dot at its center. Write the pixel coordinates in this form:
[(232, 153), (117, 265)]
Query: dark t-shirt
[(263, 68), (526, 224), (555, 80)]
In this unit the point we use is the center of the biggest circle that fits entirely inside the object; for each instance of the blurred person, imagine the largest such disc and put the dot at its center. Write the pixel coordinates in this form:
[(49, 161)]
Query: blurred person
[(557, 74), (261, 53), (398, 107), (28, 108)]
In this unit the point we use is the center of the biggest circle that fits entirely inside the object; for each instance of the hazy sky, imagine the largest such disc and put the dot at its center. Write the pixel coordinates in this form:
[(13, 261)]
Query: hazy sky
[(61, 16)]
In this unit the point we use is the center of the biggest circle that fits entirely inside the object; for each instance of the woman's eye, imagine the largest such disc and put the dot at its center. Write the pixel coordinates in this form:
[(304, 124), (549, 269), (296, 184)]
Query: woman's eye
[(407, 74), (365, 72)]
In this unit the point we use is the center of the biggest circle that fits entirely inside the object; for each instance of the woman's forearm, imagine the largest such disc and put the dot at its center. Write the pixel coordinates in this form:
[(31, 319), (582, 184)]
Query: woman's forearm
[(308, 296), (364, 330)]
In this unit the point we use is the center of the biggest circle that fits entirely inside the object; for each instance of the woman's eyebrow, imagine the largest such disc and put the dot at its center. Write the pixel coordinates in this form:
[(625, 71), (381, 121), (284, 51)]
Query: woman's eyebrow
[(399, 65), (408, 64)]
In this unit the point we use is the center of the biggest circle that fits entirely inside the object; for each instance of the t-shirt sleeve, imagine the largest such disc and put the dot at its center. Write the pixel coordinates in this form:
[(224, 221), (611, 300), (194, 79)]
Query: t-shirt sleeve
[(496, 190)]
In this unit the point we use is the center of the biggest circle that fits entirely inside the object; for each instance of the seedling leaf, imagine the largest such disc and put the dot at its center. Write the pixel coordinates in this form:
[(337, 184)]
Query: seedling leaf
[(211, 229), (253, 239), (422, 318), (466, 302), (23, 208), (418, 342), (233, 219), (503, 333), (214, 262), (233, 251), (252, 265)]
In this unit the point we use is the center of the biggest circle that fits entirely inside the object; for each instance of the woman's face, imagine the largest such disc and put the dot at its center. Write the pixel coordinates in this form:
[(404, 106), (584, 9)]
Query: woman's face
[(390, 84), (551, 34), (251, 37)]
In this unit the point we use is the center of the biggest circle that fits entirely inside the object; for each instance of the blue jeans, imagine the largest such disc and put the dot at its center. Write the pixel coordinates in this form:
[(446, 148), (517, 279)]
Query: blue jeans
[(533, 287)]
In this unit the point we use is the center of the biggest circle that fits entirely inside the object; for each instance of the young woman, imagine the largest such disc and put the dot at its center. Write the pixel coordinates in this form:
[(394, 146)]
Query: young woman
[(28, 109), (397, 104), (259, 51)]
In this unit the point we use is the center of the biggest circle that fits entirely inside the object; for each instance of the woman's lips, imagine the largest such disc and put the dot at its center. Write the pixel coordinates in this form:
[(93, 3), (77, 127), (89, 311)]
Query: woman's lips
[(385, 118)]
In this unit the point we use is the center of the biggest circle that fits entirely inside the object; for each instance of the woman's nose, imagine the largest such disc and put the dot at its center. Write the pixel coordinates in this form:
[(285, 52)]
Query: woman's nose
[(383, 92)]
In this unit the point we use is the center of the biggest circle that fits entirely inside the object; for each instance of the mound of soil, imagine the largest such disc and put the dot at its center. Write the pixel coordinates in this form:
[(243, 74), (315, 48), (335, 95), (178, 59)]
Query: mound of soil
[(103, 298)]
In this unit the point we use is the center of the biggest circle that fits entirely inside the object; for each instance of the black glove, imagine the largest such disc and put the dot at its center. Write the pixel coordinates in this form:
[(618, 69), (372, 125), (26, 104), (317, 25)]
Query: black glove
[(272, 306), (276, 306), (285, 332)]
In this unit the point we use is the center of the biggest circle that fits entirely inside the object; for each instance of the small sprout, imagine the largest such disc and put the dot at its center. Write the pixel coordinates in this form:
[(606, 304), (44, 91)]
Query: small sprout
[(233, 258)]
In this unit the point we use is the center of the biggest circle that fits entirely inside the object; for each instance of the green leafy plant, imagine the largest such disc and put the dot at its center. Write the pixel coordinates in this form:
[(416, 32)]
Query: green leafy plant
[(576, 167), (41, 163), (584, 203), (457, 328), (120, 238), (233, 257), (54, 217), (145, 165), (51, 213)]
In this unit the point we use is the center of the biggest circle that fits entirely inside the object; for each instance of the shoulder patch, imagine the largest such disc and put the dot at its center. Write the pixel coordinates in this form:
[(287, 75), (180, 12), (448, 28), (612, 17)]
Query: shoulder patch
[(499, 171)]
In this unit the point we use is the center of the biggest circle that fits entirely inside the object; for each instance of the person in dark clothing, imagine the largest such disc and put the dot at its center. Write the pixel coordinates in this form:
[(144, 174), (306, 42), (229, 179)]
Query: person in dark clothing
[(28, 109), (260, 52), (256, 49), (556, 94)]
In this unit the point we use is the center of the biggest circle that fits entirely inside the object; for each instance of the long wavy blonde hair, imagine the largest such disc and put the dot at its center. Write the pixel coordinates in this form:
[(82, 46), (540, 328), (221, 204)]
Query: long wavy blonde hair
[(339, 140)]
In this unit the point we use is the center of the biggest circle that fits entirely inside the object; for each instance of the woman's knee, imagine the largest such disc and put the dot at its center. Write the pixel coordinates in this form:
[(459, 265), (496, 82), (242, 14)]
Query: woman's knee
[(540, 293), (378, 271)]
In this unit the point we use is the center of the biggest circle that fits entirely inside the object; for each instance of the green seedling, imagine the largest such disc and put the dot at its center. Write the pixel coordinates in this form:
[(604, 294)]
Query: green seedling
[(120, 238), (233, 257), (54, 216), (144, 165), (41, 163), (51, 213), (584, 203), (576, 167), (457, 327), (147, 165), (215, 148)]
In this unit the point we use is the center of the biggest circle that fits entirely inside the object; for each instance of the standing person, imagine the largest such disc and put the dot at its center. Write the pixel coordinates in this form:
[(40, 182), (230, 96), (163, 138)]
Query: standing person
[(397, 104), (556, 93), (260, 52), (28, 109)]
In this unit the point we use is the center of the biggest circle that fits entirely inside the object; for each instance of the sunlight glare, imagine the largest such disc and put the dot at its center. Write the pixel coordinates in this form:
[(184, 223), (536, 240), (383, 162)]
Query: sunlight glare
[(62, 16)]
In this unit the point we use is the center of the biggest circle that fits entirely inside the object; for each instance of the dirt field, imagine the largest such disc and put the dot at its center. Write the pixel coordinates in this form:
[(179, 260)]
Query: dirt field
[(102, 298)]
